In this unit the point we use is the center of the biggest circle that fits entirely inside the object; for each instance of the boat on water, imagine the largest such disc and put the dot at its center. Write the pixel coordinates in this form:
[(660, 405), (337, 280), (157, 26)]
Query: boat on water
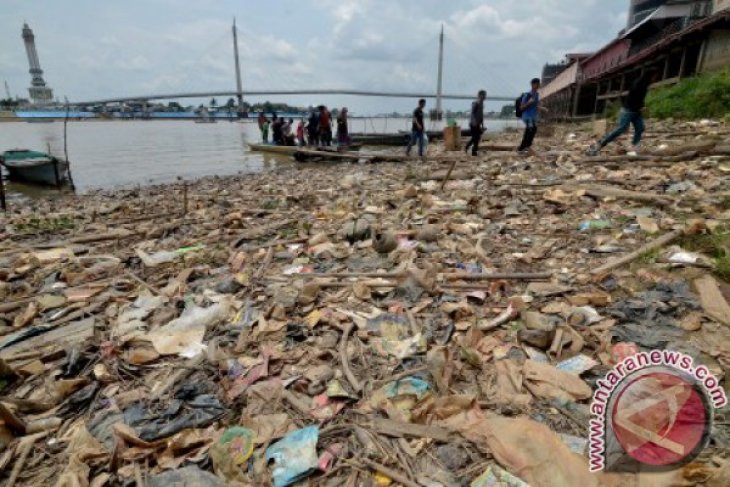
[(34, 167), (290, 150), (204, 116)]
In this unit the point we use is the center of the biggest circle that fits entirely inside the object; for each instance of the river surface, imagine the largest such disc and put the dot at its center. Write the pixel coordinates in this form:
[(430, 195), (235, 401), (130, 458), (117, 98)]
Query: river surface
[(111, 154)]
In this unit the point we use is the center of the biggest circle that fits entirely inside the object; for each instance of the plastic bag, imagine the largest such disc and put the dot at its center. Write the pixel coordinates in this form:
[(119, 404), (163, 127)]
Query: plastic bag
[(295, 456)]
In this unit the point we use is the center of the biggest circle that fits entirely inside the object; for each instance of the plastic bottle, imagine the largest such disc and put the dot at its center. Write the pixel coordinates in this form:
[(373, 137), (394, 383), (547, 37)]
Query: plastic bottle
[(594, 225)]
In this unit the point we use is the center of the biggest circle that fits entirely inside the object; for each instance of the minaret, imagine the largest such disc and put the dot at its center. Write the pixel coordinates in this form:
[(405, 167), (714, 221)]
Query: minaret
[(38, 90), (439, 84), (239, 85)]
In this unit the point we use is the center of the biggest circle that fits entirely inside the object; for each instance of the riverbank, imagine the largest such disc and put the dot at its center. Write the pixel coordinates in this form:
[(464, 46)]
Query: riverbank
[(698, 97), (412, 329)]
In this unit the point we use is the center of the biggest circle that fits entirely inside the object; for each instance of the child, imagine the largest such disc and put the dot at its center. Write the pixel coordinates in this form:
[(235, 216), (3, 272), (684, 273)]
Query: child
[(300, 133), (265, 130)]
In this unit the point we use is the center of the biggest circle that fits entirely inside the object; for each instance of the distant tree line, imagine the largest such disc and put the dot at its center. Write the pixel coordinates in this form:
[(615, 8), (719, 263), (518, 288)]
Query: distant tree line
[(9, 104)]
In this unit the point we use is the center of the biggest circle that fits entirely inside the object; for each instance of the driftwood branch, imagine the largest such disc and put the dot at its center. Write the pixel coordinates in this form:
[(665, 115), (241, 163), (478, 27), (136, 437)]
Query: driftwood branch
[(345, 361), (628, 258), (393, 474)]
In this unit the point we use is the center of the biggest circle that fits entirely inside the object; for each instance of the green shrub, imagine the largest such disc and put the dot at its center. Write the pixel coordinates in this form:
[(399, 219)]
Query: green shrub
[(704, 96)]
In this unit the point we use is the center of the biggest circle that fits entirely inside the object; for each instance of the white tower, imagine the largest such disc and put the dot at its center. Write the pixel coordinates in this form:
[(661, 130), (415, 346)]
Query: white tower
[(38, 90)]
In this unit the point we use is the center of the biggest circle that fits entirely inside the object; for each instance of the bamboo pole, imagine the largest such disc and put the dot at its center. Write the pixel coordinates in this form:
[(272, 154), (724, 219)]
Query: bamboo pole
[(448, 174), (3, 203), (65, 148), (185, 198)]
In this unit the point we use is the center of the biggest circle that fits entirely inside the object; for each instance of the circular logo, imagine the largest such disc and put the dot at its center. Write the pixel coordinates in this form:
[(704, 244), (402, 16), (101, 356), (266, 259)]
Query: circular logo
[(661, 418)]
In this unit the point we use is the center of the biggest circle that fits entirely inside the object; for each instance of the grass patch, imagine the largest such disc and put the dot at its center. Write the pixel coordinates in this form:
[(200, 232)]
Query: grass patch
[(715, 245), (649, 257), (42, 225), (723, 268), (725, 203), (705, 96), (270, 204)]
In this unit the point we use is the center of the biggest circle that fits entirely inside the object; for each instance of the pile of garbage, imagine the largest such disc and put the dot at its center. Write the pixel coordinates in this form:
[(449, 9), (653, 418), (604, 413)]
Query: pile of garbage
[(349, 325)]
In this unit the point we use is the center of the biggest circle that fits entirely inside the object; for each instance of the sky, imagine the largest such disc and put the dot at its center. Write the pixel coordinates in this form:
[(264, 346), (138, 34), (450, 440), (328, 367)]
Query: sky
[(91, 49)]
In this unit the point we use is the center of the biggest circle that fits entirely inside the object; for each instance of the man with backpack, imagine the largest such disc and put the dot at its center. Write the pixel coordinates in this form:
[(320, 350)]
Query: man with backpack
[(476, 123), (526, 108)]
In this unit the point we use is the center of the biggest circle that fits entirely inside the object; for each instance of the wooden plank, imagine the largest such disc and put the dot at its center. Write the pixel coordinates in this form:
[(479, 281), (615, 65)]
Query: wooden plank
[(308, 154), (713, 302), (62, 336), (399, 429), (624, 194)]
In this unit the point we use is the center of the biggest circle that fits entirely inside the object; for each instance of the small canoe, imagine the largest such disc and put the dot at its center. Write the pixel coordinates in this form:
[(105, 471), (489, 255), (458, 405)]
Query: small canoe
[(290, 150), (34, 167)]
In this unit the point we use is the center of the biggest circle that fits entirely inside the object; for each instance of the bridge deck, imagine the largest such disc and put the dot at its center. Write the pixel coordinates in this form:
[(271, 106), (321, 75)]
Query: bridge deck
[(384, 94)]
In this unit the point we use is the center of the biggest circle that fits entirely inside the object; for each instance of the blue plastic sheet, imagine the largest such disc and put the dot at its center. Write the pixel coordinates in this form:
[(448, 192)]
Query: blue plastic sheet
[(295, 456)]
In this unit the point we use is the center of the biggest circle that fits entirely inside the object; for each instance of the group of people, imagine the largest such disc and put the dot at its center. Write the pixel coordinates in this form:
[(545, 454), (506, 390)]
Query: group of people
[(315, 131), (528, 108), (318, 127)]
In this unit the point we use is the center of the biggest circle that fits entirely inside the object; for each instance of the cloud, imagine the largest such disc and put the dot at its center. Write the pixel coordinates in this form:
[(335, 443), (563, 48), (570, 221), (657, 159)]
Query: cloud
[(135, 63), (154, 46)]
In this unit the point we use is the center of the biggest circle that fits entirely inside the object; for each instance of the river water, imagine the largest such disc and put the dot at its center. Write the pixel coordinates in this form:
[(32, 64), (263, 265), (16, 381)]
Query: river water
[(110, 154)]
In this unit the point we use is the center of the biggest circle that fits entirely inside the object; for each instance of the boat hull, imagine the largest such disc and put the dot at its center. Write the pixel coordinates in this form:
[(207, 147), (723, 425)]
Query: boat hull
[(290, 150), (36, 168), (381, 139)]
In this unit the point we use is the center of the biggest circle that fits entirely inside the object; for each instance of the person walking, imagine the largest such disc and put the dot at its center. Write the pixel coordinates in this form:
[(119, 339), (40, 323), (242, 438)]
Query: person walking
[(343, 136), (632, 113), (476, 123), (530, 107), (417, 131)]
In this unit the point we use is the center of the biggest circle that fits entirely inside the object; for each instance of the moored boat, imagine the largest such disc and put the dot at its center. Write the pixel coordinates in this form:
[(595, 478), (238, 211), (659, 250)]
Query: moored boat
[(34, 167), (380, 139)]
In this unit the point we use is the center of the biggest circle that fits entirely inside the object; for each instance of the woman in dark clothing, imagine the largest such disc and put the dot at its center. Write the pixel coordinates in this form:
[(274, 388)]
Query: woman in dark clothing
[(343, 136), (313, 129)]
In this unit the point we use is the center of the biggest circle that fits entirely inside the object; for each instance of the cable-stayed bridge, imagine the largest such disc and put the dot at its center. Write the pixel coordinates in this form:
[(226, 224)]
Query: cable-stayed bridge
[(239, 92), (344, 92)]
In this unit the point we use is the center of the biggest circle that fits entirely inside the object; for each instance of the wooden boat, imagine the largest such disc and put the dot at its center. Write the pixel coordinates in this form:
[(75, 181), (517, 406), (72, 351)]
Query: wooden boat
[(290, 150), (34, 167), (438, 134), (380, 139), (307, 155)]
